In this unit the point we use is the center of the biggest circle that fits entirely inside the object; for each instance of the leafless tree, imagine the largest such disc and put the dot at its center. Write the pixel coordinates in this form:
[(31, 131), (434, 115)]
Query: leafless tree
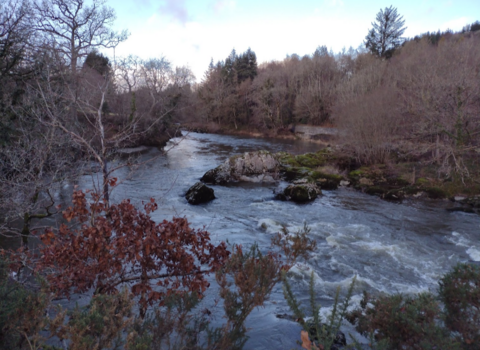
[(74, 28)]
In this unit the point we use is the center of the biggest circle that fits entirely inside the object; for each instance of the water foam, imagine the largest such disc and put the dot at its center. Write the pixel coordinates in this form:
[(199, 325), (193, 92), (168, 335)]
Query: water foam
[(459, 240), (474, 253)]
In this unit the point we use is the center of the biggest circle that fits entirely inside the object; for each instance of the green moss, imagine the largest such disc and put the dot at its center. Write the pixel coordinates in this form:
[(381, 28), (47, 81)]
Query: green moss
[(285, 158), (310, 160), (301, 193), (320, 175), (359, 172), (294, 173)]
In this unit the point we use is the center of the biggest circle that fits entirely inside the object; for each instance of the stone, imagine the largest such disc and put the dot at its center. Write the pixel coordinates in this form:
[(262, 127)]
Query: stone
[(301, 193), (394, 195), (365, 182), (344, 183), (199, 193), (260, 167), (220, 175)]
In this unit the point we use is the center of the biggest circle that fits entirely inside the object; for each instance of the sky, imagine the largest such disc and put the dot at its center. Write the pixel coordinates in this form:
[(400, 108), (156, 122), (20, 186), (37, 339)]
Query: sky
[(192, 32)]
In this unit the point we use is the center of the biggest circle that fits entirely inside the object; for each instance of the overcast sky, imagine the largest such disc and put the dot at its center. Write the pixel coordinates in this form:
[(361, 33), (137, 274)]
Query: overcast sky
[(191, 32)]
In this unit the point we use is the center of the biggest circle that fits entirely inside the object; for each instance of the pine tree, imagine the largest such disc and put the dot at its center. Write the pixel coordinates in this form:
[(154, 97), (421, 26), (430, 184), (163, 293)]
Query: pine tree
[(386, 34)]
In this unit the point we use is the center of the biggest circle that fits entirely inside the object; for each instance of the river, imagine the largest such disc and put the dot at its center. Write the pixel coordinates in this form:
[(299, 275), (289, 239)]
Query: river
[(390, 247)]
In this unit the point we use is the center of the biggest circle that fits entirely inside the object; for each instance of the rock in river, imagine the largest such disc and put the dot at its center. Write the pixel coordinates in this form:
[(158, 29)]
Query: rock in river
[(199, 193), (258, 166), (299, 192)]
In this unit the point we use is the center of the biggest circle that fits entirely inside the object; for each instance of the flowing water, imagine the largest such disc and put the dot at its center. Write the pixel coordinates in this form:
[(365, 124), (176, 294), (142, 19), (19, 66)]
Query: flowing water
[(390, 247)]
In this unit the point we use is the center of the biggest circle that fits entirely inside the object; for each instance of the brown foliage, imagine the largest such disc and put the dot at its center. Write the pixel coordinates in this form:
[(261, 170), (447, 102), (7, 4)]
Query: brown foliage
[(370, 124), (104, 249)]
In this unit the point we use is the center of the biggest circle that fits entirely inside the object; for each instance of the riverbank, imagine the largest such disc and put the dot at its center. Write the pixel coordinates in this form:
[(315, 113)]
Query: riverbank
[(280, 134)]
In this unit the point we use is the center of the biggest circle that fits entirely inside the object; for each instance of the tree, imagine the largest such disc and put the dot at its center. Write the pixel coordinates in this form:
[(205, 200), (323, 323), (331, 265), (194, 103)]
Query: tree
[(75, 29), (386, 34)]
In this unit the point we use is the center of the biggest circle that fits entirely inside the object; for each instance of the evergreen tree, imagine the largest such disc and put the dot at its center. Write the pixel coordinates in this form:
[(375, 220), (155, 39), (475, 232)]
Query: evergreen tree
[(386, 34), (321, 51), (246, 66), (98, 62)]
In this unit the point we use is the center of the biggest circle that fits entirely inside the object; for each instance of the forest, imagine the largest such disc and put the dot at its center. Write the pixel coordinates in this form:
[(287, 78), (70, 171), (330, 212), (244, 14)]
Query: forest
[(67, 109)]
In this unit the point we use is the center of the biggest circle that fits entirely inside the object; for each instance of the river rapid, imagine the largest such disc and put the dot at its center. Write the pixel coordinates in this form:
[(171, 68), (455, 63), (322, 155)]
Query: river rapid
[(390, 247)]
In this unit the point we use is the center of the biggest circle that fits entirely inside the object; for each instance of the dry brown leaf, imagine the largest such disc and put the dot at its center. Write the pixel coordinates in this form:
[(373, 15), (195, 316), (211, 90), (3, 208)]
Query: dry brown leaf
[(306, 343)]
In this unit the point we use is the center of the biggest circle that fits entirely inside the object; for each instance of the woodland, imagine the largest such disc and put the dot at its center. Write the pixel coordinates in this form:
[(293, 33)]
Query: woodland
[(64, 106)]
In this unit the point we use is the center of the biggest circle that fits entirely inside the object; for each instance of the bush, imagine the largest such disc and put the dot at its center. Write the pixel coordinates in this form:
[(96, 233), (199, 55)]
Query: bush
[(460, 293), (326, 335), (21, 313), (404, 322)]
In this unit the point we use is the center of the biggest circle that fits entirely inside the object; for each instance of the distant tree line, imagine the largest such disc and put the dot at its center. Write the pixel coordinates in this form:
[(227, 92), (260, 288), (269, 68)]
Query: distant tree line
[(413, 98)]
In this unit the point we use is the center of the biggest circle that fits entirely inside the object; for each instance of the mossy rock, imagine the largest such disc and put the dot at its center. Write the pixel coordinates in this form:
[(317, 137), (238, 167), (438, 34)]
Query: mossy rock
[(301, 193), (286, 159), (325, 181), (435, 193)]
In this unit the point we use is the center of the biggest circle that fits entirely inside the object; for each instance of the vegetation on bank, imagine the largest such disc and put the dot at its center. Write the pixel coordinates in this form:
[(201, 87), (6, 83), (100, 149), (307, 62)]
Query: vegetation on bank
[(393, 181)]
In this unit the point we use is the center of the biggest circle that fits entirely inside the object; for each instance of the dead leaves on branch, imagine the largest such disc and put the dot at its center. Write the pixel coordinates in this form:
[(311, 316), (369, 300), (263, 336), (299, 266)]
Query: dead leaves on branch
[(102, 250)]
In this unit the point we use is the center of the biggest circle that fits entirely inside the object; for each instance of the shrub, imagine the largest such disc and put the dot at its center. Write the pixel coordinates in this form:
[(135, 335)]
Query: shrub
[(404, 322), (108, 246), (326, 335), (460, 293), (21, 313)]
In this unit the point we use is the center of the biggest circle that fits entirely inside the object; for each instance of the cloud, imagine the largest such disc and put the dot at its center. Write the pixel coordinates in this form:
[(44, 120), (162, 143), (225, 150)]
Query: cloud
[(176, 9), (221, 5), (195, 43), (455, 24)]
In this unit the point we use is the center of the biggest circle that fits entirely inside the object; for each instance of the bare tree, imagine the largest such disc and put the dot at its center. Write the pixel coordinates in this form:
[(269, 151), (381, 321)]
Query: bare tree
[(74, 29)]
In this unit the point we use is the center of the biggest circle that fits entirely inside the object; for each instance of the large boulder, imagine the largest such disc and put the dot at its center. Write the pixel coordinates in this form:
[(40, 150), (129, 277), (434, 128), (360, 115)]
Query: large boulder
[(219, 175), (259, 166), (199, 193)]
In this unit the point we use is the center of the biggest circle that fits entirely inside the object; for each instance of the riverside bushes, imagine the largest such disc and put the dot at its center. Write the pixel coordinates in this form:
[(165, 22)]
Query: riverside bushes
[(450, 319), (460, 293), (403, 322)]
